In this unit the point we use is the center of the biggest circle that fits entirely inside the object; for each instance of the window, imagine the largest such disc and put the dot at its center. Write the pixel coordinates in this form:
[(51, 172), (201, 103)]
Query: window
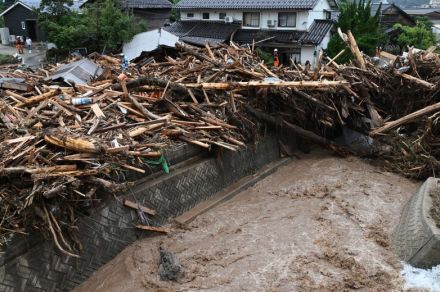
[(23, 25), (221, 15), (205, 15), (251, 19), (190, 15), (327, 14), (287, 19)]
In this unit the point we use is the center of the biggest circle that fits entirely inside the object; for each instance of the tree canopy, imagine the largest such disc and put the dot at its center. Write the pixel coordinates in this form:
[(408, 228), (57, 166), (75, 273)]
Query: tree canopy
[(419, 36), (101, 25), (357, 17)]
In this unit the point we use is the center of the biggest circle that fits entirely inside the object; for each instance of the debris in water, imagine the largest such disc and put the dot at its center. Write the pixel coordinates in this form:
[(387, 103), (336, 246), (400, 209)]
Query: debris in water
[(169, 268)]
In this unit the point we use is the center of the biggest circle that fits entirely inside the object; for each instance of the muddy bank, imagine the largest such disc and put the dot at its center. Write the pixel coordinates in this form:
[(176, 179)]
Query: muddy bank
[(320, 222)]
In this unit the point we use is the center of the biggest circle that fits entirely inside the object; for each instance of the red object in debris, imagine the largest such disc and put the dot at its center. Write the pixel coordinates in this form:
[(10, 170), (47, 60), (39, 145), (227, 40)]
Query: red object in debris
[(122, 77)]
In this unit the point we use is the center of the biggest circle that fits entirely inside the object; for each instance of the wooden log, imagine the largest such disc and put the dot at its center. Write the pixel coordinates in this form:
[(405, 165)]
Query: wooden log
[(136, 206), (152, 228), (36, 170), (13, 94), (199, 56), (17, 86), (267, 84), (406, 119), (146, 113), (418, 81), (38, 98), (68, 142), (352, 45), (110, 59)]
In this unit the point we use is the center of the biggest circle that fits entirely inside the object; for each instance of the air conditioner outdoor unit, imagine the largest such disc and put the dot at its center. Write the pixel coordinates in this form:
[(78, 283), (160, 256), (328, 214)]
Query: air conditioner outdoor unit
[(229, 19), (271, 22)]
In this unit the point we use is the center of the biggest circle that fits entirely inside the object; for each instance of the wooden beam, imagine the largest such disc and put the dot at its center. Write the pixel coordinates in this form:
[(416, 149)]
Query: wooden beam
[(133, 205)]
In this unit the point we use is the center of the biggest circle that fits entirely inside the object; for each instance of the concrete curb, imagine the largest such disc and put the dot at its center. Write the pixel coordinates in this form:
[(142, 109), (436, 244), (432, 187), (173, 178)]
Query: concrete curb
[(416, 238)]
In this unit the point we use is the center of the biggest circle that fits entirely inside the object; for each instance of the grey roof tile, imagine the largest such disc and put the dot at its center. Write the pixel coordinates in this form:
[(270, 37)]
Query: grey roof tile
[(317, 31), (145, 4), (203, 29), (200, 32), (246, 4), (246, 36)]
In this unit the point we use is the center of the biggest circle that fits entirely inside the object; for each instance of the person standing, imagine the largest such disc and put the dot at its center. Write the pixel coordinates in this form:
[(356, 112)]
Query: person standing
[(29, 44), (19, 45)]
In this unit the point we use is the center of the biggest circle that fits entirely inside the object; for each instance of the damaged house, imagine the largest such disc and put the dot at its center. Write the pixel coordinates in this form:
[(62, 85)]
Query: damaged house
[(298, 29)]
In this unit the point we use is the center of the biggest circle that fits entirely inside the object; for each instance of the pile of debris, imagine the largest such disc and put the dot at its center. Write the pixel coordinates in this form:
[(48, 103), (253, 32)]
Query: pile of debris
[(62, 144)]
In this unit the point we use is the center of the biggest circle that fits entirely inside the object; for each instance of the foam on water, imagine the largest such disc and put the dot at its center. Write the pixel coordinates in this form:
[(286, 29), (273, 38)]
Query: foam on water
[(421, 279)]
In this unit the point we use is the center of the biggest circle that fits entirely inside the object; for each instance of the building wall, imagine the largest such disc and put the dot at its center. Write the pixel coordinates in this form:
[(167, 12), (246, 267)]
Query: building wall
[(155, 18), (15, 16), (302, 22), (308, 54), (304, 18)]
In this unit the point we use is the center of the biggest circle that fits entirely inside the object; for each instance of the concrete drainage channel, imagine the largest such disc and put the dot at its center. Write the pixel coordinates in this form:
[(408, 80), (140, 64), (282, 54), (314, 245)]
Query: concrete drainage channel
[(33, 264), (416, 238)]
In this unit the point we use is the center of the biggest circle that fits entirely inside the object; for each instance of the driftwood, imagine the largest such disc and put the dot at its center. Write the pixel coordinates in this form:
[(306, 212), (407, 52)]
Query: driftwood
[(406, 119)]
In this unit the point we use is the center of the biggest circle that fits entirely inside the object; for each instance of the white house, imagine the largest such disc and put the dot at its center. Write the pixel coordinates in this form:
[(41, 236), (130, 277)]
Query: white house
[(297, 28)]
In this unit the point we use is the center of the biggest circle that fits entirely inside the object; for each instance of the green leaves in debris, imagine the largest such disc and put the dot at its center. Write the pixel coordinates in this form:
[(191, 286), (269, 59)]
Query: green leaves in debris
[(99, 26)]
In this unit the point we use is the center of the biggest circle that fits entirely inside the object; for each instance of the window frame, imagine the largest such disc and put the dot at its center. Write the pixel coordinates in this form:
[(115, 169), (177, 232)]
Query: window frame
[(287, 14), (204, 14), (190, 15), (252, 13), (220, 14)]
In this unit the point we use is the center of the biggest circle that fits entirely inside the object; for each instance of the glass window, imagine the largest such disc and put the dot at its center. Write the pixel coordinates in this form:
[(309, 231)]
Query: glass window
[(205, 15), (287, 19), (221, 15), (251, 19), (190, 15)]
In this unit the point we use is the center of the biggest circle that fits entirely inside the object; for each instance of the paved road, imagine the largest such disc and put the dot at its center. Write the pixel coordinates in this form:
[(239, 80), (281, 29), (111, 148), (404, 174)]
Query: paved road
[(32, 60)]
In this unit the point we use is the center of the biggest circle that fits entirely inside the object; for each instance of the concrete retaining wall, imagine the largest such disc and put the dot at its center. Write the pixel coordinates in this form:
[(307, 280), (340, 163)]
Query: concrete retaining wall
[(33, 264)]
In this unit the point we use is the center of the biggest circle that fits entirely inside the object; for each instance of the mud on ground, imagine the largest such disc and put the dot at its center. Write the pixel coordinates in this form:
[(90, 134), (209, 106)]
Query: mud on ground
[(320, 223)]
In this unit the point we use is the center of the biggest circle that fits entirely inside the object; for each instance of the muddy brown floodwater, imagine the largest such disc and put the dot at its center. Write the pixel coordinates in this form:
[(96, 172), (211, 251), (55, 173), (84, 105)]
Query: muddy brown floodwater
[(320, 223)]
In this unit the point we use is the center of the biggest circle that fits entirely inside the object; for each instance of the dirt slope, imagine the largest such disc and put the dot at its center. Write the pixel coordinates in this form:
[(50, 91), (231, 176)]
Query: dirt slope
[(319, 223)]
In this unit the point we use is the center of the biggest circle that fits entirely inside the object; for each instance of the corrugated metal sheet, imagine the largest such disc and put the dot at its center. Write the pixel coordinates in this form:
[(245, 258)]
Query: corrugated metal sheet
[(147, 42), (80, 72)]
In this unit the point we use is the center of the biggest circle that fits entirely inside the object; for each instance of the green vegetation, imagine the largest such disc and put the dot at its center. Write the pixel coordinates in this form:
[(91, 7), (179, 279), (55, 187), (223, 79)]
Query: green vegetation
[(7, 59), (419, 36), (175, 14), (265, 56), (2, 8), (435, 210), (366, 28), (100, 26)]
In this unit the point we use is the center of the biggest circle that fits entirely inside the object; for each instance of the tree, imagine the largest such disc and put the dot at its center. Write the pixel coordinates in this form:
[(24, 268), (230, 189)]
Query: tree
[(356, 16), (175, 14), (419, 36), (100, 26)]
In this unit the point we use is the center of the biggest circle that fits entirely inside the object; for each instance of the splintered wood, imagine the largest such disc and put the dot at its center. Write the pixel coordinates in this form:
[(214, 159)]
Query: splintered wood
[(65, 146)]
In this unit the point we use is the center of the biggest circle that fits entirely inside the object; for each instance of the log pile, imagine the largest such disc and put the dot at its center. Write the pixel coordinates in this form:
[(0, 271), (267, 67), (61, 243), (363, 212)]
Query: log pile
[(64, 146)]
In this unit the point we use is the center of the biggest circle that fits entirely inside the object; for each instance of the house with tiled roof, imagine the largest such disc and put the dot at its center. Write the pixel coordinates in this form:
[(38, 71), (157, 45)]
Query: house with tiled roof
[(298, 29), (155, 12), (21, 18)]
